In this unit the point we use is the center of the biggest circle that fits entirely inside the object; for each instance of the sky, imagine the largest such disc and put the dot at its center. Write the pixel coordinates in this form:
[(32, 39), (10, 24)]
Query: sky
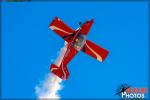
[(29, 47)]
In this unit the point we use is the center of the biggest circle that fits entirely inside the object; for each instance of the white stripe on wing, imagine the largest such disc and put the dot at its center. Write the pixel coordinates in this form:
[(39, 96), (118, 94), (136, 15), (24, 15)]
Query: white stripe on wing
[(97, 55), (57, 28)]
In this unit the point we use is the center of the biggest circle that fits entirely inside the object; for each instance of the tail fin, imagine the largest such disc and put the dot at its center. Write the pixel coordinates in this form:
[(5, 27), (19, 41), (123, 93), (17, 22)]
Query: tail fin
[(61, 71)]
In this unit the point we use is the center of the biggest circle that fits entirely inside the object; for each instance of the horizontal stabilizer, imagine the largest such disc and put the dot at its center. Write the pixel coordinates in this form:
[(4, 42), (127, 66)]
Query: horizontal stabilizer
[(61, 72)]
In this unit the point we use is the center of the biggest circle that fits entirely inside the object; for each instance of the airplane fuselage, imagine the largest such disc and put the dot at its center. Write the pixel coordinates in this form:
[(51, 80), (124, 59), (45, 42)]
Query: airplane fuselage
[(72, 50)]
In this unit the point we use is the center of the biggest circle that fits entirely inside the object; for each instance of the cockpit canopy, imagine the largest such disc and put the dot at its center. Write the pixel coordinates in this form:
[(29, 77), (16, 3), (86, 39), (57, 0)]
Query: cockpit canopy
[(79, 41)]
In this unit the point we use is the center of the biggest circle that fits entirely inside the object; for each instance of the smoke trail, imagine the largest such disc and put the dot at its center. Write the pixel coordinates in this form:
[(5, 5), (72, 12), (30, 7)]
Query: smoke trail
[(48, 89)]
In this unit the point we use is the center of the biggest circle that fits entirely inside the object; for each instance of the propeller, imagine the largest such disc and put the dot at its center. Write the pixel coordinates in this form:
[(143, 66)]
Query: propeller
[(80, 23)]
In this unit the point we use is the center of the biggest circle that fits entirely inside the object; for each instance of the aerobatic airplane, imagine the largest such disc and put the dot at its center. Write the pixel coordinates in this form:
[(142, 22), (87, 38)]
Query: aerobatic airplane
[(76, 41)]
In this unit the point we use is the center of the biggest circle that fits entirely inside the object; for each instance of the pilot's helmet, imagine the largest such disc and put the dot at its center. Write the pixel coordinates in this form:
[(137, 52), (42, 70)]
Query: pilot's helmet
[(76, 39)]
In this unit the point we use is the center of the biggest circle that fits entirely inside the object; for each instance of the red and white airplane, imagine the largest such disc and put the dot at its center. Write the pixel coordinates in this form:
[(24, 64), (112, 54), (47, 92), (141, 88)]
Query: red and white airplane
[(76, 41)]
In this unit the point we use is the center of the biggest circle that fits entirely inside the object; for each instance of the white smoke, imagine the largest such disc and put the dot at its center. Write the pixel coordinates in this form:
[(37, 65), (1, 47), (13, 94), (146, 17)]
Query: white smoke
[(48, 88), (61, 55)]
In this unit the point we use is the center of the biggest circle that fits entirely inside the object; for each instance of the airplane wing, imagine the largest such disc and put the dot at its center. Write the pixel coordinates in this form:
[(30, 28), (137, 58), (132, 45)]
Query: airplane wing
[(86, 27), (62, 29), (94, 50)]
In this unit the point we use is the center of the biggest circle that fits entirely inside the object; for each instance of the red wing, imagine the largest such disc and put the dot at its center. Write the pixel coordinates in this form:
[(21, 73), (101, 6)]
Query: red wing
[(62, 29), (86, 27), (94, 50)]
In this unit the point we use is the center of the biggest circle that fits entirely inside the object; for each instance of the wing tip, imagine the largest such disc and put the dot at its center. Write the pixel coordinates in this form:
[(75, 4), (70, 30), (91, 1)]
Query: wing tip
[(105, 56)]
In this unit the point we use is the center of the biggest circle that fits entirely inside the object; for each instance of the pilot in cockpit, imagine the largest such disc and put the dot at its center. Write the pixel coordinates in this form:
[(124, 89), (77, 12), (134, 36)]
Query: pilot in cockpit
[(78, 42)]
